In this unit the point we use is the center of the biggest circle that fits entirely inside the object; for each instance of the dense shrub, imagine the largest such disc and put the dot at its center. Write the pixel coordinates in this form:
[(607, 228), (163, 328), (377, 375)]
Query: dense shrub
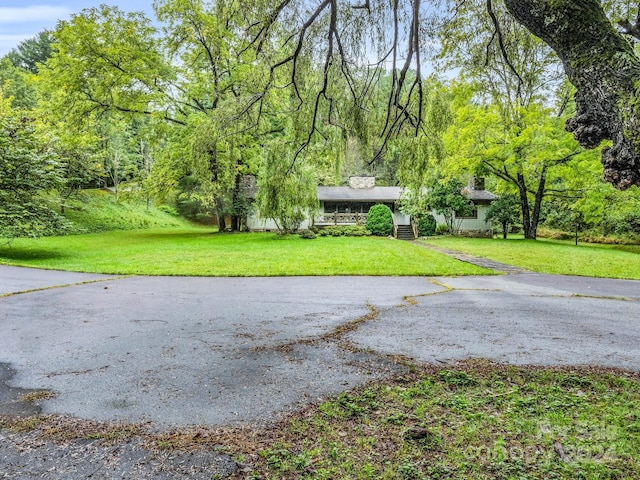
[(307, 234), (380, 220), (426, 225), (168, 209), (442, 229), (621, 224), (343, 231)]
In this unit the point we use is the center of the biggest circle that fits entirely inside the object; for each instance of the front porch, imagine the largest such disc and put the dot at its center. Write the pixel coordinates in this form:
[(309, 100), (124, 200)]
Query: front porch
[(401, 231), (327, 219)]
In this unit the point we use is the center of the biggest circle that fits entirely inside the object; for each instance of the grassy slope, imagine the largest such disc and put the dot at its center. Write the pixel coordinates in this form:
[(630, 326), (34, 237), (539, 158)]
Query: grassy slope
[(126, 238), (553, 256), (94, 211)]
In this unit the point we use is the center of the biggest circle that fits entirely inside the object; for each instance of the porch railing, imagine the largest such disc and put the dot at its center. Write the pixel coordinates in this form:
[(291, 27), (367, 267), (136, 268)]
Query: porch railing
[(341, 219)]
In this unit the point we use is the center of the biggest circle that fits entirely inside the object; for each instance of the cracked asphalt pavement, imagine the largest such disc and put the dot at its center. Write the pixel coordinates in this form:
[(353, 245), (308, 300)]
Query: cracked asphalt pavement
[(178, 351)]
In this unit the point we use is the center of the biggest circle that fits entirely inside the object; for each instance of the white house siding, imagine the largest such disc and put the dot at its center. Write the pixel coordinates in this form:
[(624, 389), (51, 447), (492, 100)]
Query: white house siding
[(257, 224), (402, 218), (471, 226)]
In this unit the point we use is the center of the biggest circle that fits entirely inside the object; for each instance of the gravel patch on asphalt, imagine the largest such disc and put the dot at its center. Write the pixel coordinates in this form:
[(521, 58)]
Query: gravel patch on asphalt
[(25, 456)]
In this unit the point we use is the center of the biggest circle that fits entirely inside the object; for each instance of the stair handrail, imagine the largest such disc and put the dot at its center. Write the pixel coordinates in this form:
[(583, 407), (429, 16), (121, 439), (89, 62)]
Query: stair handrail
[(414, 227)]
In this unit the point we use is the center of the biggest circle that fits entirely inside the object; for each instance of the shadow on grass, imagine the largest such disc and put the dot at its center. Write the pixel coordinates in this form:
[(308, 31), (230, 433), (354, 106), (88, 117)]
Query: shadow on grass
[(28, 254), (170, 235), (628, 248)]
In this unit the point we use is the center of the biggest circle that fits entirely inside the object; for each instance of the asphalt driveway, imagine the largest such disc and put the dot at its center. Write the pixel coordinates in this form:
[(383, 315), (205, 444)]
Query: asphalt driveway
[(179, 351)]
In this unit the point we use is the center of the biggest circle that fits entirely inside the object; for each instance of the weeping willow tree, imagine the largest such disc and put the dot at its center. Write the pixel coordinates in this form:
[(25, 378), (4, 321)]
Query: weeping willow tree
[(339, 35), (287, 191)]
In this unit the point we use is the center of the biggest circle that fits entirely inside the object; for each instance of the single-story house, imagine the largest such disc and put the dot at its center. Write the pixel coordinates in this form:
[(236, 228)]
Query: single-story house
[(349, 205)]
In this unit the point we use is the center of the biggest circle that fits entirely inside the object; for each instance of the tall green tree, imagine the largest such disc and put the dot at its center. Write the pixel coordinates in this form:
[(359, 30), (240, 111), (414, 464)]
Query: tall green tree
[(597, 58), (31, 53), (447, 199), (28, 168), (532, 158), (504, 128), (196, 73), (287, 191), (18, 85)]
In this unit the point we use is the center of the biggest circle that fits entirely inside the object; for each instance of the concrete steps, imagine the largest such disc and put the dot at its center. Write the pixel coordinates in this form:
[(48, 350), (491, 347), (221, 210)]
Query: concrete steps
[(405, 232)]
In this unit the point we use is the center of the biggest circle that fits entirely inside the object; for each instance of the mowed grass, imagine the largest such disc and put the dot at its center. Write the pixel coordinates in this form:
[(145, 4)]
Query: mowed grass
[(201, 252), (552, 256)]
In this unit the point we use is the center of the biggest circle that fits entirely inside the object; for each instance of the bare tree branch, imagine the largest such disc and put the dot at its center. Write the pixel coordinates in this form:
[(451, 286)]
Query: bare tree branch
[(503, 50)]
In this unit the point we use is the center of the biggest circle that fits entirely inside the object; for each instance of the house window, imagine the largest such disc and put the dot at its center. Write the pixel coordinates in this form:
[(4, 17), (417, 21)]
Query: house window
[(336, 207), (473, 216)]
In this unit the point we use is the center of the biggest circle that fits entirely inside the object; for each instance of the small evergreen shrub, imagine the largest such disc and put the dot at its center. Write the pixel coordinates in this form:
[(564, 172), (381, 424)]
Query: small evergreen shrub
[(426, 225), (344, 231), (307, 234), (380, 220)]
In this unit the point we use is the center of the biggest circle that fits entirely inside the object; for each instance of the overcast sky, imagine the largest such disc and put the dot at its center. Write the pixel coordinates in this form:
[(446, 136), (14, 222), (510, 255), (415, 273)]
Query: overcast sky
[(22, 19)]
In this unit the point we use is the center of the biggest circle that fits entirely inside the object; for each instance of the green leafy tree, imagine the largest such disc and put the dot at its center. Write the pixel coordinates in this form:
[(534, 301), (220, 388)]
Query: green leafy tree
[(31, 53), (447, 199), (199, 76), (28, 168), (530, 154), (380, 220), (599, 61), (286, 192), (505, 211), (18, 85), (80, 164)]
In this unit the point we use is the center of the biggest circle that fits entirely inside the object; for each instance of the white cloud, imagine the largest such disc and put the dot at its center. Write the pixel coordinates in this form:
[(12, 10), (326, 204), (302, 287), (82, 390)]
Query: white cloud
[(34, 13), (9, 42)]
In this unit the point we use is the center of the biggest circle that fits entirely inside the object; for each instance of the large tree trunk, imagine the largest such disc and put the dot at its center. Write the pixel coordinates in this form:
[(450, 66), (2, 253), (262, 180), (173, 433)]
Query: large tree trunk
[(537, 205), (605, 71), (529, 233)]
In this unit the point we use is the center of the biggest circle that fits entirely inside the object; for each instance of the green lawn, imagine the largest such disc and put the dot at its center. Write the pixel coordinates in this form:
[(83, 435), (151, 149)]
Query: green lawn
[(552, 256), (200, 252)]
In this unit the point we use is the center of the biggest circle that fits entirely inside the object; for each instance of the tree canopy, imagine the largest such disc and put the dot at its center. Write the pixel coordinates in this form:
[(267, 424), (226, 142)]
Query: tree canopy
[(211, 91), (28, 166)]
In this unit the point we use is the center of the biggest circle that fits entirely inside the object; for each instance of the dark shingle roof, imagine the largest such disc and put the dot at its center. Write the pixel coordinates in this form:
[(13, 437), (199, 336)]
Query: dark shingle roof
[(375, 194), (478, 195)]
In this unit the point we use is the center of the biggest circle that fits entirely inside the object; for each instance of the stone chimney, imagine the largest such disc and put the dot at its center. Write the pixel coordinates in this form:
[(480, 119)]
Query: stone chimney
[(362, 182)]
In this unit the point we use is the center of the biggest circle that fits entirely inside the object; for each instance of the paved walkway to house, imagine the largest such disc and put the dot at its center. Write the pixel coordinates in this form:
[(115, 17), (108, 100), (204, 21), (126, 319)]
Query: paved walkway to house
[(176, 351), (475, 260)]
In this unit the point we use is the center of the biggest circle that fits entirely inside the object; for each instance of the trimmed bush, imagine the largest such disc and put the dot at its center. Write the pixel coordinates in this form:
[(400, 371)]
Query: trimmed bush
[(426, 225), (343, 231), (380, 220), (307, 234)]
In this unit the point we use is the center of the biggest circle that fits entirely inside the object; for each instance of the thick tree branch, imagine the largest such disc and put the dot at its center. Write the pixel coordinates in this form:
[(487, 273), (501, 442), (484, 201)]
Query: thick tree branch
[(632, 29), (503, 50), (603, 67)]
